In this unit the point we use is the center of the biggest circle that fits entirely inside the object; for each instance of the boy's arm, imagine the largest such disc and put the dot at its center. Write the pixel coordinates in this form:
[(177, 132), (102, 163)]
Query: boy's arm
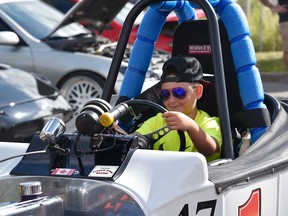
[(203, 142), (275, 8)]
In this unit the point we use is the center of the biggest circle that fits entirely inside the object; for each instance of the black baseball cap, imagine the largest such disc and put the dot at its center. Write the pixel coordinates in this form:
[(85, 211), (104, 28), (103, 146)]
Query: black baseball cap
[(185, 69)]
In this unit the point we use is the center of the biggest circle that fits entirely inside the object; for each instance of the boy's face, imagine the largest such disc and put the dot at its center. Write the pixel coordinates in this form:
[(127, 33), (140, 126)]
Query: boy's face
[(187, 104)]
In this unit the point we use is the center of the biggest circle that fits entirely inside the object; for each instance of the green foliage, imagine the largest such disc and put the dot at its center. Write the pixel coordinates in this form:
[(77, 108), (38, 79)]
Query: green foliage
[(264, 32), (264, 28)]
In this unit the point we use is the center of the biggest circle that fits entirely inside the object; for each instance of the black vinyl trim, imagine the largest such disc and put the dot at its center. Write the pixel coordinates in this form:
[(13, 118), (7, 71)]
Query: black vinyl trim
[(251, 118)]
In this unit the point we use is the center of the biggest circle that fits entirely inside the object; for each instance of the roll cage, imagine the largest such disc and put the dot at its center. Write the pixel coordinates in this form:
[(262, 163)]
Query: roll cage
[(220, 85)]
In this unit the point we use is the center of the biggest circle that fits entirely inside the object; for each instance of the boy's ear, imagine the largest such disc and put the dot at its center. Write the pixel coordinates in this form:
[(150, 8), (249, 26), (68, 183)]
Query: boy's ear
[(199, 91)]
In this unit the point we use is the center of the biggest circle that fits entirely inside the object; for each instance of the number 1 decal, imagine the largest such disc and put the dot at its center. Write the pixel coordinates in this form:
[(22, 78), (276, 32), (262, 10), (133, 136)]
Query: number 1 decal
[(252, 205)]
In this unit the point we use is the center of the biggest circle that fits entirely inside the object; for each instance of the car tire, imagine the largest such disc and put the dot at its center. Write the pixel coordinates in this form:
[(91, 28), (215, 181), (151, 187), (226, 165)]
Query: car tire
[(80, 88)]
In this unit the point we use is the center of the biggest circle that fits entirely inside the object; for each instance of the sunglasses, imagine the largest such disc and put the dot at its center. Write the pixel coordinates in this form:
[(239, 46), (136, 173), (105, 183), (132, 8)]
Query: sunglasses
[(178, 92)]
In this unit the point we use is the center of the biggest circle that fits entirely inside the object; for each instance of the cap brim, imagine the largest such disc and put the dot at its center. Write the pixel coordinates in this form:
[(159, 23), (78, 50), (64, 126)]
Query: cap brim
[(205, 83)]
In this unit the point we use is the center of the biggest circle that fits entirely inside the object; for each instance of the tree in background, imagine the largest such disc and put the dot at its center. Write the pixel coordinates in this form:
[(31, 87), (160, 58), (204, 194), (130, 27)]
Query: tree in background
[(263, 25)]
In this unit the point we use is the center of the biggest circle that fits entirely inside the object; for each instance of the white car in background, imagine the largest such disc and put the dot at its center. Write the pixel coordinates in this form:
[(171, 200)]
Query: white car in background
[(38, 38)]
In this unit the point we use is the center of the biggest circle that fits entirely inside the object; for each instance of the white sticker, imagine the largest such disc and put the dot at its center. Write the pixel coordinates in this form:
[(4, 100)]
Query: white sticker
[(103, 171)]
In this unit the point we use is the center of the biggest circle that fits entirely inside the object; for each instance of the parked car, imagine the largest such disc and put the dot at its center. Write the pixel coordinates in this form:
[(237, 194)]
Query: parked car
[(27, 102), (165, 39), (36, 37), (112, 30)]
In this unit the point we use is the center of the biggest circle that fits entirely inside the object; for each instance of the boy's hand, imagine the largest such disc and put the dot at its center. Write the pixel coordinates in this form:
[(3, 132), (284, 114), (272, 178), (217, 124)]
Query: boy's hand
[(178, 121)]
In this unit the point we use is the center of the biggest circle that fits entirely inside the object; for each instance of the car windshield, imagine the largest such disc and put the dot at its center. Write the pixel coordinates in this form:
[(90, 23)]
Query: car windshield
[(39, 19), (121, 16)]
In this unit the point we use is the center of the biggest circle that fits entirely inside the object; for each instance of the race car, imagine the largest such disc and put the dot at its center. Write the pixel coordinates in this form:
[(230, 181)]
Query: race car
[(96, 171)]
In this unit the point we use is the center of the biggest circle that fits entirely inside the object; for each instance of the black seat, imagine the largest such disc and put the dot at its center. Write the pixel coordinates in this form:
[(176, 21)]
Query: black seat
[(192, 38), (195, 42)]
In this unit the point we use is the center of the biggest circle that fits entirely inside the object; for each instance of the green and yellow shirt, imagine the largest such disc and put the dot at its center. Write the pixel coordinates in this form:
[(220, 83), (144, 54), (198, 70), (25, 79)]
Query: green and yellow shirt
[(171, 141)]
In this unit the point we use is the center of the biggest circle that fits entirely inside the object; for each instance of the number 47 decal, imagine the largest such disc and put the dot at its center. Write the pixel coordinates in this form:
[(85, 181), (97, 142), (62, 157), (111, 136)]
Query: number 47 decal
[(251, 207), (211, 204)]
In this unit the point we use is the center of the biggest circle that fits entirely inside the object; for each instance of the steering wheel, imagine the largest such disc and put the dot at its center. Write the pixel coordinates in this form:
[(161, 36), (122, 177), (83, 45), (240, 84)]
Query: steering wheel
[(154, 136), (90, 120)]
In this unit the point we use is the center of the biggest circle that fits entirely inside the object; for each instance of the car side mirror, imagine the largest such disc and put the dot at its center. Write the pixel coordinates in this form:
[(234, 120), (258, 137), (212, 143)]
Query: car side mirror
[(8, 38)]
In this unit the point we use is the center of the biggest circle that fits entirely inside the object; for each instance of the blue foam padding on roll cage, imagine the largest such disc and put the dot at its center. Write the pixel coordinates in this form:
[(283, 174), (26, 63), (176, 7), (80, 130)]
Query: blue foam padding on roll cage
[(147, 35), (244, 57)]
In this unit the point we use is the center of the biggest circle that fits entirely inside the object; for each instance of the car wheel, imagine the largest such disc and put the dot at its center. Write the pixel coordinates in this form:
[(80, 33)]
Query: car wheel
[(80, 88)]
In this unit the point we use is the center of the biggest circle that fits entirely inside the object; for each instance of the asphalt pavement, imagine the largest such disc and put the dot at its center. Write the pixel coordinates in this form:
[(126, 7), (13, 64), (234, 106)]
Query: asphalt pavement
[(276, 84)]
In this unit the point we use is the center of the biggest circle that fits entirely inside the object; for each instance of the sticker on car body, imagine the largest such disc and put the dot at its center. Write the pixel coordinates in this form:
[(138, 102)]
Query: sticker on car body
[(103, 171)]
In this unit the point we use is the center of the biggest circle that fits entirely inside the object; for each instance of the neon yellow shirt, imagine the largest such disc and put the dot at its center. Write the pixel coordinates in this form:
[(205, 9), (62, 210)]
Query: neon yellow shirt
[(171, 141)]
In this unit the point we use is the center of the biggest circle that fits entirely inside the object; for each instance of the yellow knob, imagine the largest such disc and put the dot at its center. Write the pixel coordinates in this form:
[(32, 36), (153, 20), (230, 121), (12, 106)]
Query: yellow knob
[(106, 119)]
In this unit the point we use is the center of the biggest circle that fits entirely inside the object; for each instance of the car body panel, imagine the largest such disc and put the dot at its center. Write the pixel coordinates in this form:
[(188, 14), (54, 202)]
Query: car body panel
[(92, 11), (20, 122), (187, 192), (36, 56), (27, 102), (165, 38), (21, 91), (36, 53), (113, 28)]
